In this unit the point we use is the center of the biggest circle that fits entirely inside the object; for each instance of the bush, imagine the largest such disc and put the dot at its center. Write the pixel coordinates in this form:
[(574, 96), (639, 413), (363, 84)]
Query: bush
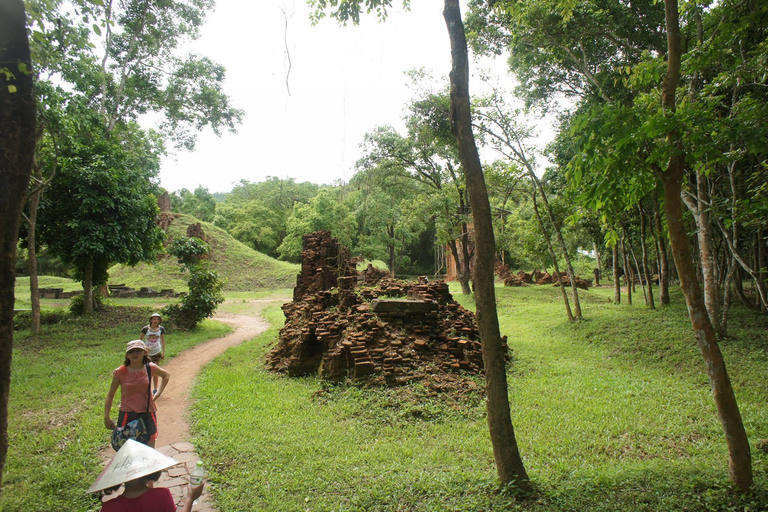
[(78, 301), (204, 285)]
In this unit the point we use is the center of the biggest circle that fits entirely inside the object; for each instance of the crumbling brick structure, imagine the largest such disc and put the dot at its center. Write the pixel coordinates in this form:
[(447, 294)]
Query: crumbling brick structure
[(537, 277), (389, 333)]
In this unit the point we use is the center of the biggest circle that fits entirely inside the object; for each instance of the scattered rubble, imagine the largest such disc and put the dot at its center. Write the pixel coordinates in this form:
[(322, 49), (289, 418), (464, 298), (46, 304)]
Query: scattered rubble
[(536, 277), (386, 332)]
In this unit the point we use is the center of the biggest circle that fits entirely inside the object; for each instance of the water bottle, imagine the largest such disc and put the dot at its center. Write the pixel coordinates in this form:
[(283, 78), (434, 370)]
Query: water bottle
[(196, 476)]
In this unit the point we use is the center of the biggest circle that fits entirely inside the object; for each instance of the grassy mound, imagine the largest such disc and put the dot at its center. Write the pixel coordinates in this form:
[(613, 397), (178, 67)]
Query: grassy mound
[(243, 268)]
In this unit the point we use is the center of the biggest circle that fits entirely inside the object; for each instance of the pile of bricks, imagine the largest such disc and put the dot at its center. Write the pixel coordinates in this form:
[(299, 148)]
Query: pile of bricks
[(536, 277), (390, 333)]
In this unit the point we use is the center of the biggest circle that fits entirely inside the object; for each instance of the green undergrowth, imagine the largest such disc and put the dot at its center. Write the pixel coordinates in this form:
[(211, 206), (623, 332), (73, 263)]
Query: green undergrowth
[(59, 381), (611, 413)]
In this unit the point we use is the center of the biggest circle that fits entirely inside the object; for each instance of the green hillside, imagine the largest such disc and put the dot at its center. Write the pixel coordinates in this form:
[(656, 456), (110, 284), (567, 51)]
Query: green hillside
[(243, 268)]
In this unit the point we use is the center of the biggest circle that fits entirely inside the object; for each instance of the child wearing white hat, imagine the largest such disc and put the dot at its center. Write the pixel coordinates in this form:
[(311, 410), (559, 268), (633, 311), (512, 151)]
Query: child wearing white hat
[(153, 334)]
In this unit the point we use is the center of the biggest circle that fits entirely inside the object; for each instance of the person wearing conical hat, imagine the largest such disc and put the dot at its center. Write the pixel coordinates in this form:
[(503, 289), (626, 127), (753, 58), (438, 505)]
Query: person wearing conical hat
[(153, 335), (134, 466), (136, 401)]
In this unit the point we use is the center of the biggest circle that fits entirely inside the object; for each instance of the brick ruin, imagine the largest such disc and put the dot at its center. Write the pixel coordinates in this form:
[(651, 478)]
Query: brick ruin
[(387, 332), (536, 277)]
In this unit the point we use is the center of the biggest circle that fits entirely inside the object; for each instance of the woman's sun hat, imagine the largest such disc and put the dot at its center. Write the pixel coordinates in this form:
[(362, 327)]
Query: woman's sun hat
[(153, 315), (133, 460), (135, 344)]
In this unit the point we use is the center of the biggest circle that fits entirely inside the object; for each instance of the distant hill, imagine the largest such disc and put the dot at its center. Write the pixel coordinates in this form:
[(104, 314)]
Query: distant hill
[(243, 268)]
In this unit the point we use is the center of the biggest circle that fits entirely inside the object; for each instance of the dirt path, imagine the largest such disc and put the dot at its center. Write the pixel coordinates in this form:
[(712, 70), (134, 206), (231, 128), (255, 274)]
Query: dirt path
[(173, 405)]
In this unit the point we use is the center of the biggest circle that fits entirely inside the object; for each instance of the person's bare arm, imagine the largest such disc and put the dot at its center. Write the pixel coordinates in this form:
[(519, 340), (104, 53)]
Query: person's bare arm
[(164, 378), (108, 403), (192, 494)]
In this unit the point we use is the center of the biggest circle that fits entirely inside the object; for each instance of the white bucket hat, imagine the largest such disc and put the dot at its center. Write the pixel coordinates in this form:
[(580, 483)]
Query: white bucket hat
[(133, 460)]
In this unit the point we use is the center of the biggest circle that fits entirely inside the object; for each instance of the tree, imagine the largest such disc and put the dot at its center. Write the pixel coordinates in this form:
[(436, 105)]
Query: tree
[(508, 462), (204, 284), (257, 213), (428, 156), (390, 211), (139, 73), (17, 140), (103, 212), (324, 212), (508, 138), (739, 457), (200, 203)]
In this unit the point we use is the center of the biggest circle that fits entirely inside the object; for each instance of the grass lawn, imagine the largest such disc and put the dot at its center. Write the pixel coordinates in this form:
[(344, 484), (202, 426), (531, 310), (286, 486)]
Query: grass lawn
[(59, 381), (613, 413)]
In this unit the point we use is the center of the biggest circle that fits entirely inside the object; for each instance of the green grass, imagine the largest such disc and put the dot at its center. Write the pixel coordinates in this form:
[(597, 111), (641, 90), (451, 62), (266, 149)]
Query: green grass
[(612, 413), (59, 381), (242, 268)]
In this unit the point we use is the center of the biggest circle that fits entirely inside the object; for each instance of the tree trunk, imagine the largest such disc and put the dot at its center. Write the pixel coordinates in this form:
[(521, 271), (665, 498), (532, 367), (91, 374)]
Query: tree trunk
[(762, 273), (629, 278), (463, 277), (616, 276), (391, 247), (598, 259), (509, 464), (17, 145), (740, 459), (34, 288), (563, 248), (646, 270), (599, 268), (88, 287), (552, 255), (639, 273), (709, 268), (466, 258), (661, 247)]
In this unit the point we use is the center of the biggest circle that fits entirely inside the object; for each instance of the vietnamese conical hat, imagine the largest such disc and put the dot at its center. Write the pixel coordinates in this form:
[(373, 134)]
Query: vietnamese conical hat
[(133, 460)]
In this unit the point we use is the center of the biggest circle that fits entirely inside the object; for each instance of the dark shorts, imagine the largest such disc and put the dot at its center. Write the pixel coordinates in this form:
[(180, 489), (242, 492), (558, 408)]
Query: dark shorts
[(156, 358), (150, 420)]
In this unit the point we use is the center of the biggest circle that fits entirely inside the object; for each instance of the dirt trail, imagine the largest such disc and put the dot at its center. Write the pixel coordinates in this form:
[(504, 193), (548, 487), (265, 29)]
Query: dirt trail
[(173, 405)]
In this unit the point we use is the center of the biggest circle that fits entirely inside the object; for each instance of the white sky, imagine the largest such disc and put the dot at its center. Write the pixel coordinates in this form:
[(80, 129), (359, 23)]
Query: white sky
[(344, 81)]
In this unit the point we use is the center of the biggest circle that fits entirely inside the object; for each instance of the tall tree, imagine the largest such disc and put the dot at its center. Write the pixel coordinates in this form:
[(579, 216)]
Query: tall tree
[(509, 464), (17, 142), (387, 219), (739, 456), (509, 138), (427, 155), (139, 71), (100, 210)]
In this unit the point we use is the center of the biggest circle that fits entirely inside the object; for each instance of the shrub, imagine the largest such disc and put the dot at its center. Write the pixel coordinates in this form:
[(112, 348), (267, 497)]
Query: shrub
[(204, 284), (77, 302)]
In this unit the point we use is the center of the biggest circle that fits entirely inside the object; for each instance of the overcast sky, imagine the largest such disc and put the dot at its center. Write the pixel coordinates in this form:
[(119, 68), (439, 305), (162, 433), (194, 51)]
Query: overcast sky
[(342, 82)]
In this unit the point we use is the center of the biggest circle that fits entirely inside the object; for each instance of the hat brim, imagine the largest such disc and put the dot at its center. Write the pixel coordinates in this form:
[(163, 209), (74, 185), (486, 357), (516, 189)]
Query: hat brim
[(133, 460)]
